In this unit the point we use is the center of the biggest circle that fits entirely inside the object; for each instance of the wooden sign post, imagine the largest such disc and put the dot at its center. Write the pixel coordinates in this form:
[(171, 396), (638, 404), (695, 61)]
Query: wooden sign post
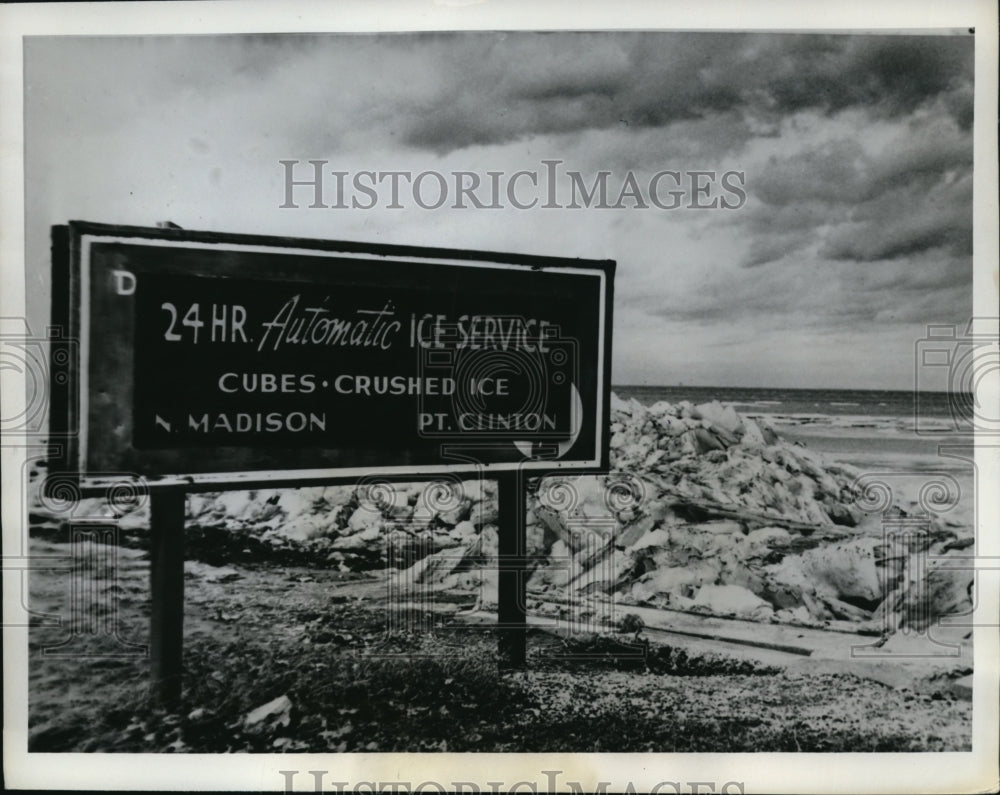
[(166, 580), (206, 362), (511, 577)]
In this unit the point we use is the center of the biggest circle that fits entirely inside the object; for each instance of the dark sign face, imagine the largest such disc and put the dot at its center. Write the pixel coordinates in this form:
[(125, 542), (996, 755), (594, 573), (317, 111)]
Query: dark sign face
[(208, 356)]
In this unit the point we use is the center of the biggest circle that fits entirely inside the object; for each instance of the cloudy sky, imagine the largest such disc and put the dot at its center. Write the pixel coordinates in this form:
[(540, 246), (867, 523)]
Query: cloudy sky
[(856, 150)]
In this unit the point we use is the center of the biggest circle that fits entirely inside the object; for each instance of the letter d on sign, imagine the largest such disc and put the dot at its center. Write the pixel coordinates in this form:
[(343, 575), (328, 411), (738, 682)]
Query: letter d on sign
[(124, 282)]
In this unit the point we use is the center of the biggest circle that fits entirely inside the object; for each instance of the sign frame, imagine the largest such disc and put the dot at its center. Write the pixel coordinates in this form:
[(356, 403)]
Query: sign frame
[(71, 306)]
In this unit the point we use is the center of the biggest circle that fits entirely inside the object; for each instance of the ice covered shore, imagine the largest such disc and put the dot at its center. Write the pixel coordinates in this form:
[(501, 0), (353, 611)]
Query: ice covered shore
[(704, 510), (709, 511)]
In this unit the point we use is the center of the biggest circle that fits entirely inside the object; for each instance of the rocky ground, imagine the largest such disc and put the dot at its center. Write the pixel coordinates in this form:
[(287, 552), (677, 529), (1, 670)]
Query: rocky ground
[(290, 658)]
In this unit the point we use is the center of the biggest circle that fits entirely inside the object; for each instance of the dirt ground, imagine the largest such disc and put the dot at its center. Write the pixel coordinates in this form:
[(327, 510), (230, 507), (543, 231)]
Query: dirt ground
[(305, 659)]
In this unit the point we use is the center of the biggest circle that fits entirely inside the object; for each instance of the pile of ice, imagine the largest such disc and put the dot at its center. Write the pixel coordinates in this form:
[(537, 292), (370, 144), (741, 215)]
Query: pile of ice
[(707, 511), (704, 510), (370, 526), (711, 454)]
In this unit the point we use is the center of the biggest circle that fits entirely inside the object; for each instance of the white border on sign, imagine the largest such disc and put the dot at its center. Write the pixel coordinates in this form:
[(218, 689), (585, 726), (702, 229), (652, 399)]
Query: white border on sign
[(311, 475)]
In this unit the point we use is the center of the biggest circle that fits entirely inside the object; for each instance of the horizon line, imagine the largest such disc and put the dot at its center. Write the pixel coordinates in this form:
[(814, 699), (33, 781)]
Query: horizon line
[(793, 388)]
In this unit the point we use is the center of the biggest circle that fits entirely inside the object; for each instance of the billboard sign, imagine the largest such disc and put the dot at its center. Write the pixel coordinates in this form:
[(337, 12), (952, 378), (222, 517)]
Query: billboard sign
[(211, 358)]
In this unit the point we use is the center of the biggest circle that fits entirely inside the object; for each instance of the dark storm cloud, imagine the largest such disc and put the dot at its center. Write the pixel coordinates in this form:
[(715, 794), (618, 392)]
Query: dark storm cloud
[(894, 73), (843, 297), (446, 91), (930, 150), (803, 215), (769, 248), (914, 194), (906, 221), (834, 172), (841, 172), (516, 85)]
